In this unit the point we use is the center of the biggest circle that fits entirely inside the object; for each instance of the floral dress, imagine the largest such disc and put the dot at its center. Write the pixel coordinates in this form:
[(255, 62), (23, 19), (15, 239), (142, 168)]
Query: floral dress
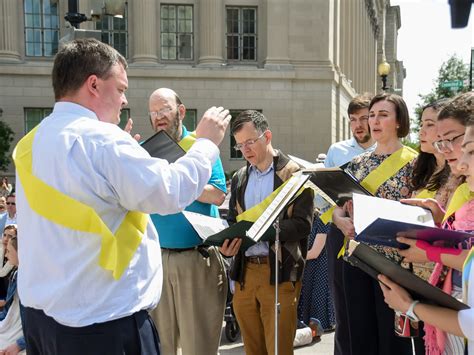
[(395, 188)]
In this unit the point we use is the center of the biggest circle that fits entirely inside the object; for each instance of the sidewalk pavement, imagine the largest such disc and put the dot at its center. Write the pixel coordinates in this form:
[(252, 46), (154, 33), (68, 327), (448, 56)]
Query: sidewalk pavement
[(323, 347)]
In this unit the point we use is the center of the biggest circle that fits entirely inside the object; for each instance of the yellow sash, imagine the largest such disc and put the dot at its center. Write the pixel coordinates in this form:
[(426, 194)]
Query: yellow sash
[(425, 193), (460, 197), (187, 142), (467, 269), (388, 168), (116, 250), (256, 211)]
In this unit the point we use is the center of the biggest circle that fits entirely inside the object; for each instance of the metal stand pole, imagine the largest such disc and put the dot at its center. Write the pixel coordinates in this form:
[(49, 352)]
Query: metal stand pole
[(276, 225)]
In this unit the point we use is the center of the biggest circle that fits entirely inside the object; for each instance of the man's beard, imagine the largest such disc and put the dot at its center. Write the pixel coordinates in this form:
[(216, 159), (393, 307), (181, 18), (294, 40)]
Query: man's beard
[(173, 130), (364, 139)]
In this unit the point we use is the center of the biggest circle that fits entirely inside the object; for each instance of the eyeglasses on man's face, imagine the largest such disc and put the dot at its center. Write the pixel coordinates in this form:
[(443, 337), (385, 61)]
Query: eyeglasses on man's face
[(248, 142), (446, 144), (162, 113), (11, 203)]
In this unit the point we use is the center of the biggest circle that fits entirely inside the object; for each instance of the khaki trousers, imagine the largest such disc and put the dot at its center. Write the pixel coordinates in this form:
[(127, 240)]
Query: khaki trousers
[(191, 308), (254, 307)]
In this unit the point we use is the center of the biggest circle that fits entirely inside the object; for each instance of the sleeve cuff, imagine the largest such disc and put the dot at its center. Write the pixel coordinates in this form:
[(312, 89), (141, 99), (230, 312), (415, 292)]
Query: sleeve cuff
[(466, 322)]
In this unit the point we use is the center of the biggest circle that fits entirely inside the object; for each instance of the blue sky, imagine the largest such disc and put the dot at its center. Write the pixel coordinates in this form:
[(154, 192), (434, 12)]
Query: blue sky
[(425, 41)]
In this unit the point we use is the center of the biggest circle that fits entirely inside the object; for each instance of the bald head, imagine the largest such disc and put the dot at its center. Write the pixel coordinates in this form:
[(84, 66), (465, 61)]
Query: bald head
[(165, 94), (166, 112)]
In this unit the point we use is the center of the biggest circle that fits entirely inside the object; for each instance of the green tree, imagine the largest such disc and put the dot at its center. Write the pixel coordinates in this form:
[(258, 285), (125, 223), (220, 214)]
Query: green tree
[(6, 138), (453, 69)]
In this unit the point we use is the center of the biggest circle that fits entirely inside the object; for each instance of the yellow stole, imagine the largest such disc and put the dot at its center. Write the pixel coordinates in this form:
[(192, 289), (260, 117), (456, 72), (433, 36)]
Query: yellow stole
[(117, 249), (425, 193), (388, 168), (460, 197)]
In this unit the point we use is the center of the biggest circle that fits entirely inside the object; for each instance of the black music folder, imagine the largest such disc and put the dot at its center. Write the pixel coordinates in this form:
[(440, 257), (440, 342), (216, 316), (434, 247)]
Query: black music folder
[(374, 263), (161, 145), (260, 230), (336, 183)]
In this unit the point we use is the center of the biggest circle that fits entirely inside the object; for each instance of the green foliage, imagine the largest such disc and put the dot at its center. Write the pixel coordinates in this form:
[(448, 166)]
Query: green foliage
[(453, 69), (6, 138)]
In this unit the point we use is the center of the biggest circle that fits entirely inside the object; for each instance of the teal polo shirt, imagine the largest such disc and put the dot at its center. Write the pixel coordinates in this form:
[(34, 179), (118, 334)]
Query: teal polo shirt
[(174, 231)]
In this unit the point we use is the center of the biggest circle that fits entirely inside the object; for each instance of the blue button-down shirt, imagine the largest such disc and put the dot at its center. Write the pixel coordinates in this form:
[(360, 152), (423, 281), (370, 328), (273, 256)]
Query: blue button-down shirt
[(343, 152), (259, 186)]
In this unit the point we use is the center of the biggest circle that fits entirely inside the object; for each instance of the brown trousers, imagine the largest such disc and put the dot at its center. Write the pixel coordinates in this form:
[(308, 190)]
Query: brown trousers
[(254, 307)]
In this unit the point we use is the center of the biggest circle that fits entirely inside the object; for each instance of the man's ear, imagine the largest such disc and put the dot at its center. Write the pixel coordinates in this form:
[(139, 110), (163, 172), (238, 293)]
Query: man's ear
[(268, 136), (91, 83), (182, 112)]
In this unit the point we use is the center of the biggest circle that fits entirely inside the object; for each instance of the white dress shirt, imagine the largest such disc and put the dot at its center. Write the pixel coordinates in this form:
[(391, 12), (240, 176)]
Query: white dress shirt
[(104, 167)]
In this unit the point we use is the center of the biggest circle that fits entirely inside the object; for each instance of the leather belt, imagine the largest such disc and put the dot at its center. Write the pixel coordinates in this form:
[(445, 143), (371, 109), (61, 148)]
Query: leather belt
[(262, 259), (179, 250)]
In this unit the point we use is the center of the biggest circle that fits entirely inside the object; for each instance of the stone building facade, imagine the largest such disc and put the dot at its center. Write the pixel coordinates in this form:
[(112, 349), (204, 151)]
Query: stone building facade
[(298, 61)]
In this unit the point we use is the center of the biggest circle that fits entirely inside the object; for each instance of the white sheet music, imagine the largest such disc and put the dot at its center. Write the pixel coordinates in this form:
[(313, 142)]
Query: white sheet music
[(280, 201), (205, 226), (368, 208)]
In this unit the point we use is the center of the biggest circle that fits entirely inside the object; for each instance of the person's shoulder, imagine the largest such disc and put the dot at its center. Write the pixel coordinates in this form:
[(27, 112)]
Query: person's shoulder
[(340, 145), (361, 157)]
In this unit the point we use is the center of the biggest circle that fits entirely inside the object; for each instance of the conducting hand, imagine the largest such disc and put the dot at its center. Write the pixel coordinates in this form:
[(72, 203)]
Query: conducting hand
[(230, 247), (128, 129), (213, 124)]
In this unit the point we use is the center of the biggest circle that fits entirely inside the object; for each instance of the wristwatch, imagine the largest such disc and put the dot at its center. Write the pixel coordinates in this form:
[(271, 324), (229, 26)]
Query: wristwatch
[(410, 313)]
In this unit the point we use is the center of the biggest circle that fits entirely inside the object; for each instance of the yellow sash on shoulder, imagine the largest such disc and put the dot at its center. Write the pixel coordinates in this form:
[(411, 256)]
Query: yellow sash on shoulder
[(116, 250), (187, 142), (460, 197), (425, 193), (388, 168)]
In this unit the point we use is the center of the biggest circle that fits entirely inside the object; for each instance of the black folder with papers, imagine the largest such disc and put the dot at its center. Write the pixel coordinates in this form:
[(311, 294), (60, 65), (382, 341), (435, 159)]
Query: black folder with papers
[(374, 263), (338, 184), (161, 145), (239, 230)]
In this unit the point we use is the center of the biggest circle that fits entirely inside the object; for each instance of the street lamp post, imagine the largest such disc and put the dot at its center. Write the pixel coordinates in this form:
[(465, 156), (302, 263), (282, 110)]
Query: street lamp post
[(383, 70)]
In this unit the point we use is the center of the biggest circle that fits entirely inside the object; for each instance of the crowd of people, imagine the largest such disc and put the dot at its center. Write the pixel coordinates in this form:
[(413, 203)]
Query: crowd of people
[(110, 265)]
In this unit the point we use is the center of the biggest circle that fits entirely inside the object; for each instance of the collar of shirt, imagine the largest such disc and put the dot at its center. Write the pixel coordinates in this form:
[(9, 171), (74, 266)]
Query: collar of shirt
[(75, 109), (353, 143)]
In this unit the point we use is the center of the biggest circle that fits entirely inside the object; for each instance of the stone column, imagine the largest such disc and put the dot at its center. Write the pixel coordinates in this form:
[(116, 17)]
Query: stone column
[(143, 39), (9, 33), (211, 32), (277, 33)]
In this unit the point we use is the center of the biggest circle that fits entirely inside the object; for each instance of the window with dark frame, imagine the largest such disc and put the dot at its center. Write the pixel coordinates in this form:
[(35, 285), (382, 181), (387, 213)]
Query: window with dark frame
[(241, 34), (189, 120), (114, 32), (34, 115), (41, 28), (177, 35)]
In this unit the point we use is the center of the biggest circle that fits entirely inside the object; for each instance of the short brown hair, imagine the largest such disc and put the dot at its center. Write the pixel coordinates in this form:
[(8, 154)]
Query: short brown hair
[(78, 60), (403, 118), (460, 108), (257, 118), (359, 102)]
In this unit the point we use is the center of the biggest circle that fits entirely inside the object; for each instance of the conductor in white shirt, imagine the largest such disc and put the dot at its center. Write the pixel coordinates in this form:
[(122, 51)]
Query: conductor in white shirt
[(73, 305)]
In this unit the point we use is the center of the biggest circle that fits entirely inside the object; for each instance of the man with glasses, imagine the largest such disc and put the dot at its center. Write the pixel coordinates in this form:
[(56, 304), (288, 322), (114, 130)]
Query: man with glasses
[(192, 304), (11, 210), (253, 269)]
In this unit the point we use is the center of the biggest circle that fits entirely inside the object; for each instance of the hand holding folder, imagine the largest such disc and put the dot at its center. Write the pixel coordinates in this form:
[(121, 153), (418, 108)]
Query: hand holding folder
[(161, 145), (374, 263)]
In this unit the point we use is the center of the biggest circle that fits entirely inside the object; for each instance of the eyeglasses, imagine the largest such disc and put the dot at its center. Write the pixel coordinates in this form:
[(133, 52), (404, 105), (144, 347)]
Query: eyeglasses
[(446, 144), (245, 144), (159, 114), (11, 203)]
